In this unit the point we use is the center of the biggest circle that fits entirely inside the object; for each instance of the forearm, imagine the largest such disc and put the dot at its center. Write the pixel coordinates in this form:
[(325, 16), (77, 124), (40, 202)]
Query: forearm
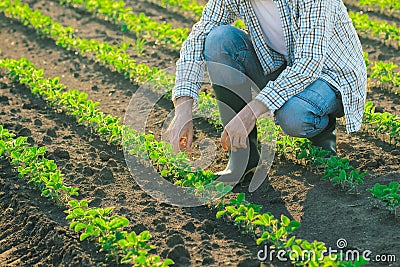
[(257, 108), (183, 106)]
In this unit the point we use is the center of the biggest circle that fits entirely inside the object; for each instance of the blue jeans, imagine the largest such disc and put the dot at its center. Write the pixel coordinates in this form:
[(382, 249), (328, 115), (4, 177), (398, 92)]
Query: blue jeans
[(304, 115)]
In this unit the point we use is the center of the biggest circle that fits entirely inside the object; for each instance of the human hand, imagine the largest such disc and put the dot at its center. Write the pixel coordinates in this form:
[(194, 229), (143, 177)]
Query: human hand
[(236, 131), (180, 130)]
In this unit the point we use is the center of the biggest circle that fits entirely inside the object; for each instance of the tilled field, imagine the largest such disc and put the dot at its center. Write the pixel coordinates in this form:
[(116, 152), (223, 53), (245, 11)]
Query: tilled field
[(34, 232)]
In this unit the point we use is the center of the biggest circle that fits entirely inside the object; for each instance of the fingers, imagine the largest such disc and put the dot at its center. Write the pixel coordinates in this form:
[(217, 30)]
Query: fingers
[(175, 144), (233, 142), (185, 142), (174, 137), (234, 136), (180, 134), (242, 142), (189, 138), (238, 141), (224, 140), (182, 143)]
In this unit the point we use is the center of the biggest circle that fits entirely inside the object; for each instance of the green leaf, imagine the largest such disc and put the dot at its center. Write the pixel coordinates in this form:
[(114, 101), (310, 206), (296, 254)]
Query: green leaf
[(264, 236), (123, 243), (241, 218), (280, 233), (297, 250), (118, 223), (132, 238), (293, 225), (101, 223), (144, 236), (285, 220), (108, 210), (140, 260), (231, 209), (290, 242), (83, 236), (306, 245), (73, 203), (45, 193), (79, 226), (72, 225), (165, 172), (83, 203), (41, 150), (220, 213), (167, 262), (78, 212)]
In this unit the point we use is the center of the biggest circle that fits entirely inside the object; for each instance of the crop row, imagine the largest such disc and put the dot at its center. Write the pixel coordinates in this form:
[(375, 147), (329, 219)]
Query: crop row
[(64, 37), (385, 123), (383, 30), (39, 171), (388, 78), (144, 27), (186, 5), (95, 223), (247, 215), (384, 5)]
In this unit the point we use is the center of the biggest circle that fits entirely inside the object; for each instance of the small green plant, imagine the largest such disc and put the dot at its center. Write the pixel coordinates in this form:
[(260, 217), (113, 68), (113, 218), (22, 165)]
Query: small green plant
[(386, 74), (139, 45), (388, 194), (98, 224), (340, 172), (384, 124), (125, 44), (313, 156)]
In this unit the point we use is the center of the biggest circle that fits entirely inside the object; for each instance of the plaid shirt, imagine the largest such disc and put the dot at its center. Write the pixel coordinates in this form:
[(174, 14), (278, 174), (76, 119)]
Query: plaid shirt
[(321, 42)]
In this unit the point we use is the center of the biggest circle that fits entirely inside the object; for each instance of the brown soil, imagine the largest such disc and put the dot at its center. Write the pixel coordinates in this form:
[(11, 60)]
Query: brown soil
[(34, 232)]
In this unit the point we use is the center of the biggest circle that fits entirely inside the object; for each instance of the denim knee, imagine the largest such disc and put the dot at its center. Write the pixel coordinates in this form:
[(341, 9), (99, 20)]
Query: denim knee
[(307, 113), (300, 119), (224, 39)]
